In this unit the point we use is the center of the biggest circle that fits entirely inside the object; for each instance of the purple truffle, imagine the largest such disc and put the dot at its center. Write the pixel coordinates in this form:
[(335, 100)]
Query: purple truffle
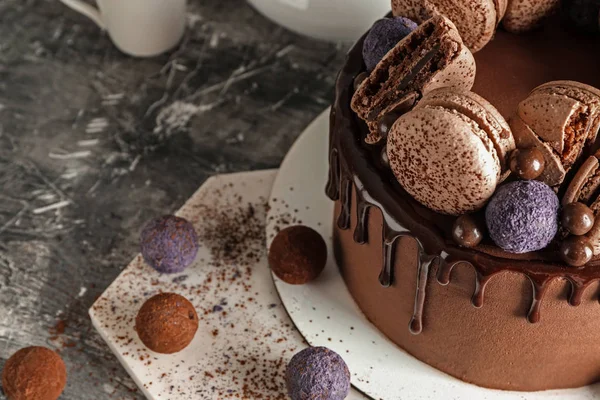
[(317, 373), (169, 244), (523, 216), (383, 36)]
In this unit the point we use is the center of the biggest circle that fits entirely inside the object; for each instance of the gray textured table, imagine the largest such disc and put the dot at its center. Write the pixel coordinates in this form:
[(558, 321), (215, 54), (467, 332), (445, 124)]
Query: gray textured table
[(94, 143)]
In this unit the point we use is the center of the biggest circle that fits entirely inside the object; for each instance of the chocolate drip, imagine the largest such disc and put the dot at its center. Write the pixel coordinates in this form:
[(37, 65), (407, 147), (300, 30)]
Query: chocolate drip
[(361, 234), (333, 183), (346, 200), (416, 323), (353, 169)]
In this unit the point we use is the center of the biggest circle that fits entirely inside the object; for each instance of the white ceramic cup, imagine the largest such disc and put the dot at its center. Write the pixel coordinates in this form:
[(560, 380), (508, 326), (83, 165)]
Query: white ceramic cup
[(334, 20), (141, 28)]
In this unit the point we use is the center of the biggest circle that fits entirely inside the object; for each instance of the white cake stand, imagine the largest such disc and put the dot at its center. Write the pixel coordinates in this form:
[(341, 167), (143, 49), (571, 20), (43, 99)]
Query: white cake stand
[(325, 313)]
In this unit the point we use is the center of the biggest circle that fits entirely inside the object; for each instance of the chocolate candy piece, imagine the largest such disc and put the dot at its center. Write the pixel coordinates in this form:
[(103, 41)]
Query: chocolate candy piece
[(360, 78), (527, 163), (34, 373), (583, 14), (166, 323), (577, 218), (298, 255), (383, 36), (384, 157), (169, 244), (576, 251), (466, 232), (385, 124), (317, 373), (522, 216)]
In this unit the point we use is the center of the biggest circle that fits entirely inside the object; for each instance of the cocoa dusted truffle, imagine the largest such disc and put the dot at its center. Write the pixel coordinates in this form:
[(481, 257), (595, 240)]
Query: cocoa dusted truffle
[(298, 255), (523, 216), (169, 244), (34, 373), (166, 323), (383, 36), (317, 373)]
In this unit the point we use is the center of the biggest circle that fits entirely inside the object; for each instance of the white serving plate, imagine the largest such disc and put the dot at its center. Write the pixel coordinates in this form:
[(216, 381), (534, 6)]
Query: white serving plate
[(325, 313), (252, 345)]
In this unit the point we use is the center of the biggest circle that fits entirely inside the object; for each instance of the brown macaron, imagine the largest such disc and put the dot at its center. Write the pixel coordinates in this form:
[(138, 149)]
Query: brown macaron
[(476, 20), (585, 188), (525, 15), (560, 119), (432, 56), (450, 152)]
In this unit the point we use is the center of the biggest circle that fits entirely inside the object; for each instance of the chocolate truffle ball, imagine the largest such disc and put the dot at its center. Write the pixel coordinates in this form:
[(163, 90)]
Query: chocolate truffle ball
[(34, 373), (527, 163), (298, 255), (169, 244), (522, 216), (576, 250), (384, 125), (166, 323), (583, 14), (577, 218), (317, 373), (466, 231), (383, 36)]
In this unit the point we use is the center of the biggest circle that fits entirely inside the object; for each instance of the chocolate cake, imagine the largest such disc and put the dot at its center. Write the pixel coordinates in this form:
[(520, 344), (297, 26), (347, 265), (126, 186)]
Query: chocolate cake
[(505, 305)]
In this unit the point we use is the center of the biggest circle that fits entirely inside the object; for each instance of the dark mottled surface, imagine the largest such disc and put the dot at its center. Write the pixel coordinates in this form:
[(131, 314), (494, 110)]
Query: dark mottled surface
[(113, 141)]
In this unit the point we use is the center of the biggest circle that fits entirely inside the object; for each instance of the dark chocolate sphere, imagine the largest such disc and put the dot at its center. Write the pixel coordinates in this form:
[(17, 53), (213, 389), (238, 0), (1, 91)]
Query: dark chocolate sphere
[(527, 163), (466, 231), (577, 218), (360, 78), (166, 323), (34, 373), (385, 161), (583, 14), (298, 255), (576, 250)]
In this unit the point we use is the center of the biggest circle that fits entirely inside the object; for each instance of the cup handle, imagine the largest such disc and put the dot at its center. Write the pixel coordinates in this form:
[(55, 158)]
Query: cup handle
[(87, 10)]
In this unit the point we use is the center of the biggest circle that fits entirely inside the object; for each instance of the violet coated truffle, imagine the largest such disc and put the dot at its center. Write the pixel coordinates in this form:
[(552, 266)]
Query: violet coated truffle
[(383, 36), (317, 373), (523, 216), (169, 244)]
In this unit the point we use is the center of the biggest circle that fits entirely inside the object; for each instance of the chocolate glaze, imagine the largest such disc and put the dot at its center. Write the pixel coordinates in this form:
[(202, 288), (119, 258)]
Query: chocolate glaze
[(352, 165)]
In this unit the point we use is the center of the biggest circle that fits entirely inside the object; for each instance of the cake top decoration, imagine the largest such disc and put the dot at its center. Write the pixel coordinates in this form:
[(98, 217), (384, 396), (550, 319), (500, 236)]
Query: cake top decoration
[(383, 36)]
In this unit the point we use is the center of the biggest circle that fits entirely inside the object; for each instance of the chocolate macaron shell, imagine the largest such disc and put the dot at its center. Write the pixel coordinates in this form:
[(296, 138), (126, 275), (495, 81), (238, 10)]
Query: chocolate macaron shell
[(501, 6), (433, 55), (554, 172), (443, 159), (594, 234), (584, 183), (476, 20), (479, 110), (525, 15)]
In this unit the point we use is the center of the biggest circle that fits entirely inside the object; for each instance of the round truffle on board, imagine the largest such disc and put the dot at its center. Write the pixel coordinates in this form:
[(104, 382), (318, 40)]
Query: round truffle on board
[(383, 36), (34, 373), (466, 231), (522, 216), (317, 373), (577, 218), (169, 244), (298, 255), (166, 323), (577, 250), (527, 163)]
